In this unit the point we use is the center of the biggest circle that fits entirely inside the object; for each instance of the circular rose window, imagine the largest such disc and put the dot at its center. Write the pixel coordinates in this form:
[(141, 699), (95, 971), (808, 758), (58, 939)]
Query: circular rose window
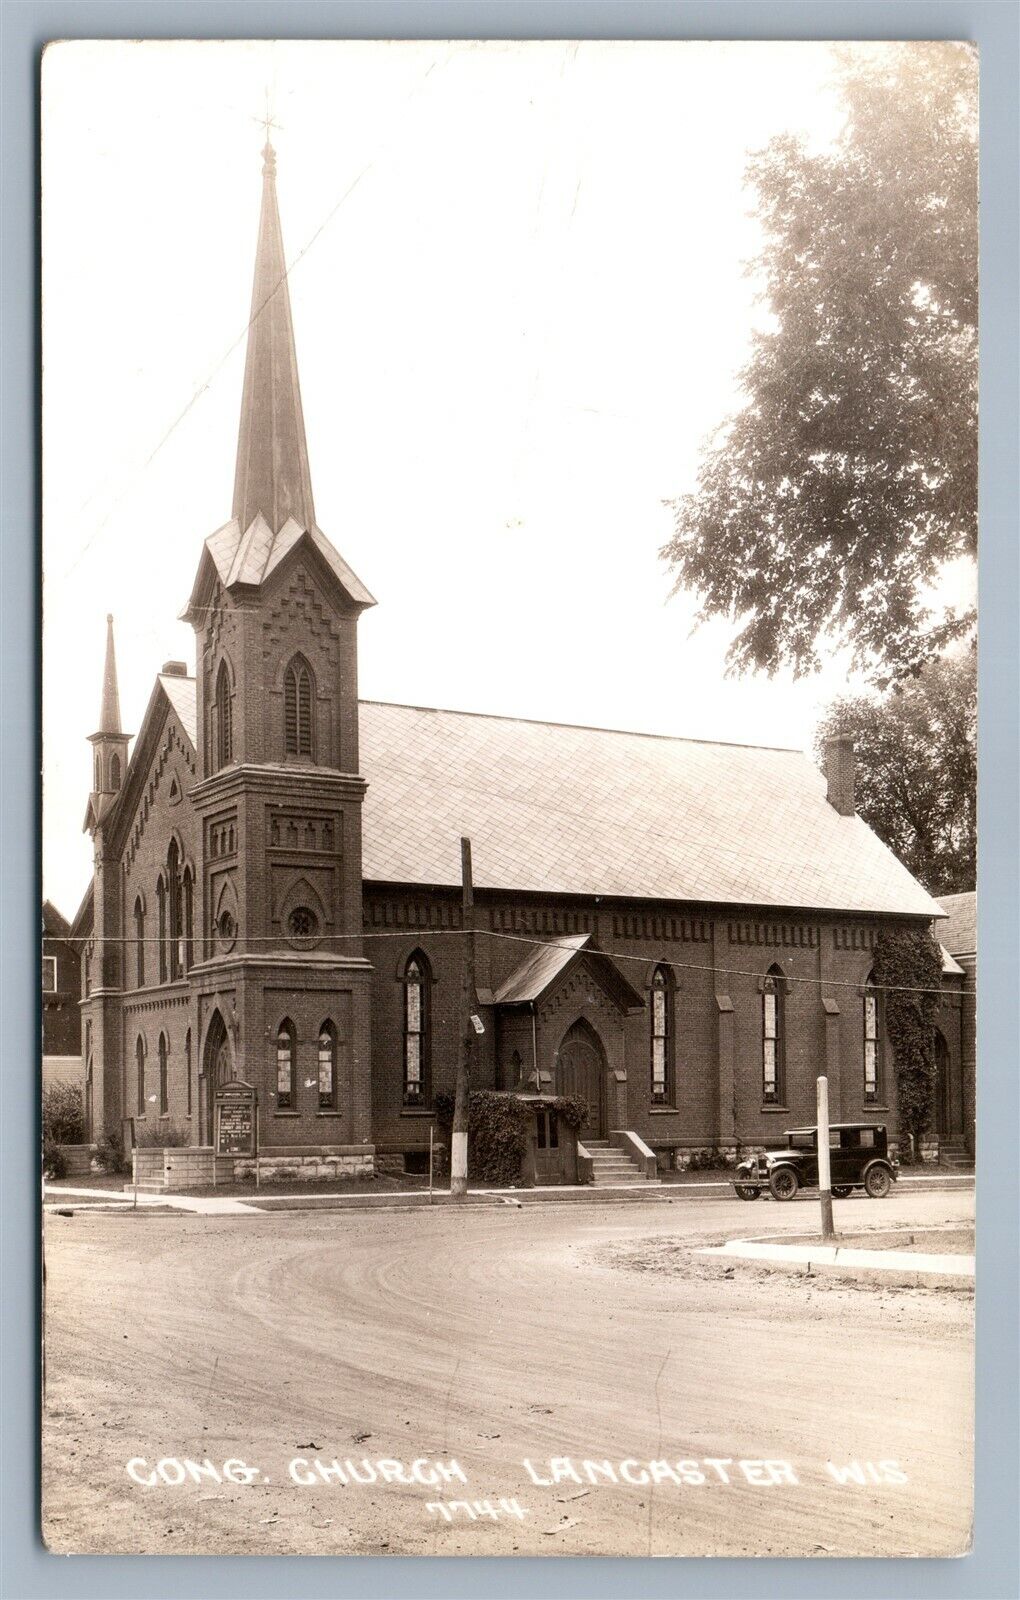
[(303, 923)]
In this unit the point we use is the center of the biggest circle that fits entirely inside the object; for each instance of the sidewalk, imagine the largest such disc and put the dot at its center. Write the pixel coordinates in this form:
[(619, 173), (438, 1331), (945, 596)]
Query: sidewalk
[(915, 1265), (682, 1188)]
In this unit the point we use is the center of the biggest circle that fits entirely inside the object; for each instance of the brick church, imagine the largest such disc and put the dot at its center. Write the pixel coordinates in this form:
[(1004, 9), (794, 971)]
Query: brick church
[(681, 932)]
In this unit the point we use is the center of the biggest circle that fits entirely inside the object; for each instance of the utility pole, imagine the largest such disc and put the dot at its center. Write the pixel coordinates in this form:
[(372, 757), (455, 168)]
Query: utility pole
[(459, 1139), (824, 1165)]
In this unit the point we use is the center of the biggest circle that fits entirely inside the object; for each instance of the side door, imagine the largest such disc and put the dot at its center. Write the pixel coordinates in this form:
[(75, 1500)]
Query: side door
[(547, 1148)]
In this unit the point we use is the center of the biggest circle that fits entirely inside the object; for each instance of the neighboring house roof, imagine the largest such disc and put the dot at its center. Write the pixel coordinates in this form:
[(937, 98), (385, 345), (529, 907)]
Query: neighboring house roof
[(950, 968), (959, 932), (570, 810), (55, 924)]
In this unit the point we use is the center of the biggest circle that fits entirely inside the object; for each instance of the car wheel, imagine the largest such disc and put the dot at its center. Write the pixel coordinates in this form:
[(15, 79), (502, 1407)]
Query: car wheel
[(784, 1184), (877, 1182), (841, 1190), (747, 1191)]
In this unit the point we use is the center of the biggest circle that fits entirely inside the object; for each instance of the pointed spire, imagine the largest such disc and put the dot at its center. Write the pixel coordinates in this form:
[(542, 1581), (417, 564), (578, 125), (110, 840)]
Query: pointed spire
[(109, 715), (272, 457)]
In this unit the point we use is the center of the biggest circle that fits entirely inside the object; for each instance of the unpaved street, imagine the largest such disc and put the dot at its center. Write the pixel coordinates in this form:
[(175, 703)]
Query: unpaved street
[(488, 1338)]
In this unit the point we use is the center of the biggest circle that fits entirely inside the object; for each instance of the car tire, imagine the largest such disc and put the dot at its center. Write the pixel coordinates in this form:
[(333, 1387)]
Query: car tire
[(747, 1191), (841, 1190), (877, 1182), (784, 1183)]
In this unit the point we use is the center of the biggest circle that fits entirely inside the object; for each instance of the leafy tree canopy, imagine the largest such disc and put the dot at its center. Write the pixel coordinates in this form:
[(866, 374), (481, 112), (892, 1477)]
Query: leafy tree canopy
[(829, 505), (916, 768)]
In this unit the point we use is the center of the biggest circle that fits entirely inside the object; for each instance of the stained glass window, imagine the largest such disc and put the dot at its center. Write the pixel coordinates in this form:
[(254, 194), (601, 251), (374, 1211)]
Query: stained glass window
[(327, 1068), (285, 1067), (415, 1033), (660, 1037), (224, 717), (772, 1041), (870, 1045)]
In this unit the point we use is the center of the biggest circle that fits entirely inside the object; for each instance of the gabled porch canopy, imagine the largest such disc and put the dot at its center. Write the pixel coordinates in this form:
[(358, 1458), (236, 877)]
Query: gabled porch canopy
[(548, 964)]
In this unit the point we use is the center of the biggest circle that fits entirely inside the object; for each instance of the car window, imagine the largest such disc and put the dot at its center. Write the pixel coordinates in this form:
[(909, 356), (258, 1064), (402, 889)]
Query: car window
[(866, 1138), (802, 1141), (833, 1138)]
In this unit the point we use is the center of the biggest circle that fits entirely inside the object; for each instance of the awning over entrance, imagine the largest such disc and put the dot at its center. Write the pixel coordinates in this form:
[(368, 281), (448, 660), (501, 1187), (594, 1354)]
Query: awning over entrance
[(546, 964)]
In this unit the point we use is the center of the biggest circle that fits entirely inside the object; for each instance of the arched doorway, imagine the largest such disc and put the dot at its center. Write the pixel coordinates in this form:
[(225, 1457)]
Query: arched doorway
[(943, 1089), (580, 1071), (217, 1068)]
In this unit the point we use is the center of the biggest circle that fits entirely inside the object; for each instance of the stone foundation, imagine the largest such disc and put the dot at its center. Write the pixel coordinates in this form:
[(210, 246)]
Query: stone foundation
[(929, 1148), (306, 1169), (698, 1158)]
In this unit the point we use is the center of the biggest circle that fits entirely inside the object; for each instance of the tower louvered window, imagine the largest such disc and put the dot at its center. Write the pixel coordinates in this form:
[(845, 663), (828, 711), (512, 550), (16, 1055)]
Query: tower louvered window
[(224, 717), (297, 708)]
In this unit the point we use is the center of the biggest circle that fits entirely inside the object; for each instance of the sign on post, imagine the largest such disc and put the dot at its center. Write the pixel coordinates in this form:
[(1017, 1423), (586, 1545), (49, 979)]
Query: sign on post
[(236, 1121)]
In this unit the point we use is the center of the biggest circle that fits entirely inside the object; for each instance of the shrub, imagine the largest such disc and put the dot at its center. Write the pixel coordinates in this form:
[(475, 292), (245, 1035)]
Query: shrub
[(54, 1165), (63, 1116), (162, 1136), (110, 1154)]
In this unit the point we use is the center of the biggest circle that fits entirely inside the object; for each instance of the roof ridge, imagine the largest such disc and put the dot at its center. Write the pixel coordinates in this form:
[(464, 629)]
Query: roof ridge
[(583, 727)]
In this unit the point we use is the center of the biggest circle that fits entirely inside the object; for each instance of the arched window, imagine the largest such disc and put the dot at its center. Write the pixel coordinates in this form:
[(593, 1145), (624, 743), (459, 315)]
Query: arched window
[(115, 772), (161, 903), (298, 699), (188, 893), (416, 1032), (661, 1041), (224, 717), (187, 1065), (872, 1043), (176, 940), (140, 1076), (773, 1038), (328, 1091), (164, 1077), (139, 943), (286, 1075)]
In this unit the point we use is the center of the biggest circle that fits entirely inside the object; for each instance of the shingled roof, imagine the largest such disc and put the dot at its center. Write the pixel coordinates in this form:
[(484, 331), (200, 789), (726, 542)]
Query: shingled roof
[(567, 810), (556, 809)]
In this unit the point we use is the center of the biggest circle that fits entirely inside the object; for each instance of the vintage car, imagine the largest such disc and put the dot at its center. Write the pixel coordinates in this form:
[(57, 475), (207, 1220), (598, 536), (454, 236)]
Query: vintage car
[(858, 1159)]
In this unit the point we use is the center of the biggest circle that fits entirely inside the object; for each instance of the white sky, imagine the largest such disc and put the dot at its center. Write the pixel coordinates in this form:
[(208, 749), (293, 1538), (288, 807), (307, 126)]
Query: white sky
[(514, 335)]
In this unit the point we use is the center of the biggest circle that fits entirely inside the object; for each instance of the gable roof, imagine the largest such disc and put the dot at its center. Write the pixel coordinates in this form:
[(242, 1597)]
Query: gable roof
[(545, 964), (556, 809), (959, 932)]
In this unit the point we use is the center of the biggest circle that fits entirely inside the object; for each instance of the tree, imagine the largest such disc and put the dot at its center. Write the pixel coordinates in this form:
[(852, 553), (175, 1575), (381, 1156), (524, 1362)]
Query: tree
[(908, 967), (916, 768), (828, 506)]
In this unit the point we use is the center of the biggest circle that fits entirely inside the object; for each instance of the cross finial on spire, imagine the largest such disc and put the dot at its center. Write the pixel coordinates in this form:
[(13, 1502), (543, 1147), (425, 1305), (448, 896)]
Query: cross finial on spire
[(268, 122)]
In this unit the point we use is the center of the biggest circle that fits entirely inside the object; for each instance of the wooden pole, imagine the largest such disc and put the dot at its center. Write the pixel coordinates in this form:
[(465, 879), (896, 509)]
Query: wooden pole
[(824, 1165), (459, 1136)]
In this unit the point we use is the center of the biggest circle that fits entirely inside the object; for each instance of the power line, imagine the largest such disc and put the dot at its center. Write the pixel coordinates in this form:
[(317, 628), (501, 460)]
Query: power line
[(544, 944)]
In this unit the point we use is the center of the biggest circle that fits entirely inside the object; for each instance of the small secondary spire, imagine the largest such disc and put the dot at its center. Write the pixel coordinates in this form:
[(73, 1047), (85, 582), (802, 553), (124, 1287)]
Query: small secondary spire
[(109, 714)]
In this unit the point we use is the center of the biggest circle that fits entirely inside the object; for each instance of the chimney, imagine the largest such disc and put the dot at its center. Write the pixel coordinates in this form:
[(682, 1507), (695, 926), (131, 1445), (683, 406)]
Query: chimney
[(175, 669), (839, 773)]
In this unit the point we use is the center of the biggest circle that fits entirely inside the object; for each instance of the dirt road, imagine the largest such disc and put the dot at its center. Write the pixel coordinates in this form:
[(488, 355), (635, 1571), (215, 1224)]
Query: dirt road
[(406, 1342)]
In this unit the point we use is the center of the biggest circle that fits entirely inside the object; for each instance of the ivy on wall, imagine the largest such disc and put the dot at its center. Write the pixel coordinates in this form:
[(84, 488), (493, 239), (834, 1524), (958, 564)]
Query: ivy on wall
[(498, 1126), (908, 967)]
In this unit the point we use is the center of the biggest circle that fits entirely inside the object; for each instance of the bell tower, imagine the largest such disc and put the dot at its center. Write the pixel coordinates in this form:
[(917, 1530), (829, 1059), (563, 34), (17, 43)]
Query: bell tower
[(103, 954), (275, 610), (110, 743)]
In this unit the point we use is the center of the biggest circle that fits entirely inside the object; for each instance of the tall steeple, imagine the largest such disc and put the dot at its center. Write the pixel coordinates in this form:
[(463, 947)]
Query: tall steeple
[(109, 712), (272, 475)]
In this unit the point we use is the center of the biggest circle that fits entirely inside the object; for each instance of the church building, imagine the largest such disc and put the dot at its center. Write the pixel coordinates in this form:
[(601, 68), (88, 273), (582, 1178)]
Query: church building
[(677, 931)]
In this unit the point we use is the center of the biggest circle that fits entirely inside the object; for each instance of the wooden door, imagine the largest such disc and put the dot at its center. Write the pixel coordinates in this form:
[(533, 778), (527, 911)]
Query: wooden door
[(580, 1073), (547, 1148)]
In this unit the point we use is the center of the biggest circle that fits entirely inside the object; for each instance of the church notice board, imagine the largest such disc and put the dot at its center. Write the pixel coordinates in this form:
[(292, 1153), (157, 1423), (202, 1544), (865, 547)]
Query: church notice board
[(236, 1133)]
